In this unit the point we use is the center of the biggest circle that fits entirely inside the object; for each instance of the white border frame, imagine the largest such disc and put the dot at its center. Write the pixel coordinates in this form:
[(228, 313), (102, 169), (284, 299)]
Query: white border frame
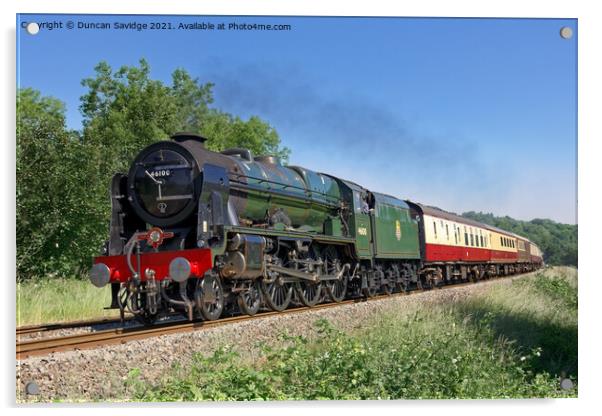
[(588, 167)]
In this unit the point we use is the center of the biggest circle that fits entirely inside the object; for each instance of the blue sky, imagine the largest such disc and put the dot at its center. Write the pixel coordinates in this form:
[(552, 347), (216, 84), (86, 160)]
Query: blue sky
[(465, 114)]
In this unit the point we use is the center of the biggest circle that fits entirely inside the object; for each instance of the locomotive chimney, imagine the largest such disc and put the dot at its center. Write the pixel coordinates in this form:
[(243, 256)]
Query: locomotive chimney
[(183, 136)]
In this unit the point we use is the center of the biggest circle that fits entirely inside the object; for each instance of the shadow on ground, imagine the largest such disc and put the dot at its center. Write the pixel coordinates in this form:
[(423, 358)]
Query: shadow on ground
[(557, 341)]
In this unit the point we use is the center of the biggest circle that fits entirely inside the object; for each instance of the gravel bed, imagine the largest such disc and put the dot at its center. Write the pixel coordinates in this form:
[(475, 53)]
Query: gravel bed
[(55, 333), (99, 374)]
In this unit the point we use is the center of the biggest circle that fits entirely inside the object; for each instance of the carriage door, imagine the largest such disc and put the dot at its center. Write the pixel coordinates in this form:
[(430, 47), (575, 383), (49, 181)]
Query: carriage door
[(363, 229)]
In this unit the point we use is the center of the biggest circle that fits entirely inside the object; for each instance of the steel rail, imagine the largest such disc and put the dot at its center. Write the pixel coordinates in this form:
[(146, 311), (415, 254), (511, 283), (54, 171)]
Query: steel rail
[(122, 335), (54, 326)]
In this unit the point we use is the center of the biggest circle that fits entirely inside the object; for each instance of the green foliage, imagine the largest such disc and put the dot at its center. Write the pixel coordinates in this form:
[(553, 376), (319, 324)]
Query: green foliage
[(461, 350), (63, 176), (125, 110), (557, 241), (557, 288), (54, 211)]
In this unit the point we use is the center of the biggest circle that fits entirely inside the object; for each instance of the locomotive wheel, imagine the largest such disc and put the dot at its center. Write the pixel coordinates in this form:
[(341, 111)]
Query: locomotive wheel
[(389, 287), (277, 294), (209, 297), (250, 300), (147, 318), (371, 290), (335, 289), (404, 286), (425, 282), (309, 293)]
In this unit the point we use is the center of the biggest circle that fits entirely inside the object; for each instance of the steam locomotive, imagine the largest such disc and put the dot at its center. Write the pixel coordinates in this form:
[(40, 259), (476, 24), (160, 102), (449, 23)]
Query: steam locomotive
[(199, 232)]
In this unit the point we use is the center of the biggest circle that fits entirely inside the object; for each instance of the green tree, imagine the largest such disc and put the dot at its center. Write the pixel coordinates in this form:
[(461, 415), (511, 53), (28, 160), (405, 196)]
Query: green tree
[(126, 110), (52, 208)]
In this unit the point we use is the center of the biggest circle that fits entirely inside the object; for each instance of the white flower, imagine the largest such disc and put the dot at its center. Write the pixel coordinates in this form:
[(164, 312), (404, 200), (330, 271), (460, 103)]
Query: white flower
[(523, 358)]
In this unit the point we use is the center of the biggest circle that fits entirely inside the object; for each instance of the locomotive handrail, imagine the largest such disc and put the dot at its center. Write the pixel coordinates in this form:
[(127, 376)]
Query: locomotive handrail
[(309, 200), (240, 175), (261, 180)]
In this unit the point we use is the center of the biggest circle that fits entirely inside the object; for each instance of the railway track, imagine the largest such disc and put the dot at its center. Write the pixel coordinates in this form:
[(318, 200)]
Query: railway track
[(32, 329), (120, 335)]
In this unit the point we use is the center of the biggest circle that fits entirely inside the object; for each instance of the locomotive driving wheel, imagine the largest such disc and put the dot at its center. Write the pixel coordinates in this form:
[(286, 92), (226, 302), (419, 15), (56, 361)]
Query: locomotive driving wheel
[(309, 292), (335, 289), (277, 293), (250, 300), (209, 297)]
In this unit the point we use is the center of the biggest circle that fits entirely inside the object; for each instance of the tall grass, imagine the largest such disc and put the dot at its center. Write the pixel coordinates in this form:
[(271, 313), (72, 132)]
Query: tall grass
[(511, 341), (56, 300)]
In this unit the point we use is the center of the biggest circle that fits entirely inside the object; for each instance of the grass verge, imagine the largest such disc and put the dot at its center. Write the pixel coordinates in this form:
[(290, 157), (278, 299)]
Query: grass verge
[(57, 300), (512, 341)]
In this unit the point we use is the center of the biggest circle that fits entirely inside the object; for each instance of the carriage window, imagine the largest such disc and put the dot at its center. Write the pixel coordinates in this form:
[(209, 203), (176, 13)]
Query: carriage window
[(471, 239), (465, 237), (435, 228), (477, 240), (482, 242), (447, 231)]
